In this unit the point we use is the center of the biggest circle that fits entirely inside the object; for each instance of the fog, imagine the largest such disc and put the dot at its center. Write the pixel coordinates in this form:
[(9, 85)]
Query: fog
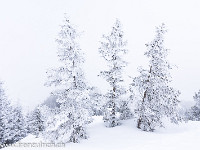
[(28, 30)]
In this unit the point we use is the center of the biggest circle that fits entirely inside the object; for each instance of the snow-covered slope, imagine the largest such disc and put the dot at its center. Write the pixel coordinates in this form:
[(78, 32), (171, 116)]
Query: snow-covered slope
[(127, 137)]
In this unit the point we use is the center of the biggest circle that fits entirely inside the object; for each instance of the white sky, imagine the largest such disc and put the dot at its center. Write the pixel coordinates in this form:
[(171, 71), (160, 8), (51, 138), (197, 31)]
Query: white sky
[(28, 29)]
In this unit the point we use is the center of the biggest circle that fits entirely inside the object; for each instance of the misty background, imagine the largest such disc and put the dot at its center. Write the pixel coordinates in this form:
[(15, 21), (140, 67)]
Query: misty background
[(28, 30)]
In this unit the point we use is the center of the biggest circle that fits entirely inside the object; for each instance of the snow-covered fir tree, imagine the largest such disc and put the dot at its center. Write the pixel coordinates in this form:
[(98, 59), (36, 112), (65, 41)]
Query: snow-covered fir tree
[(28, 120), (112, 49), (125, 111), (194, 112), (5, 115), (51, 120), (12, 124), (71, 89), (157, 98), (35, 122), (97, 102), (19, 125), (197, 99)]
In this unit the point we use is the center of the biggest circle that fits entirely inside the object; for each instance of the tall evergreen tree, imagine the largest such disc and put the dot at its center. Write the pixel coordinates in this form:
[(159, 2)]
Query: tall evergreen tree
[(112, 49), (158, 99), (71, 92)]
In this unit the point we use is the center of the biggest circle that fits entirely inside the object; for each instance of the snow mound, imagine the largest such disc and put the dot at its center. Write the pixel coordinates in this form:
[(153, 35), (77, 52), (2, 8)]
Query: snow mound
[(127, 137)]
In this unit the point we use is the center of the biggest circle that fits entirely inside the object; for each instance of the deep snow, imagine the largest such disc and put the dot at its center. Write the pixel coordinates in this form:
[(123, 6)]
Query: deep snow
[(128, 137)]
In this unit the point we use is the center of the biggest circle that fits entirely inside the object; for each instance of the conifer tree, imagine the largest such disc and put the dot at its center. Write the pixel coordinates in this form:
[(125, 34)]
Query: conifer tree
[(19, 126), (71, 92), (112, 49), (194, 112), (125, 111), (158, 99), (96, 101), (5, 115), (197, 99), (12, 125), (36, 123)]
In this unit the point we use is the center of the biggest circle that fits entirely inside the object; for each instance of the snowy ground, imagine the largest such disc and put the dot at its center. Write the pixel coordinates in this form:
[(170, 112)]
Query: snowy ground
[(127, 137)]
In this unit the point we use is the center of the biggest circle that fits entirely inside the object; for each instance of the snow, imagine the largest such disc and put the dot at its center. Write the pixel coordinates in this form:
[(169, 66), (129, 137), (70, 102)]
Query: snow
[(128, 137)]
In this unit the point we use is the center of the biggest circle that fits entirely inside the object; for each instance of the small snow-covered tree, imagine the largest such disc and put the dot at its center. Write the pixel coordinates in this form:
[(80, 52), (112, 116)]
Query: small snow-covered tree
[(71, 92), (197, 99), (194, 112), (97, 102), (158, 99), (125, 111), (112, 49), (19, 126), (5, 115), (36, 123), (12, 124), (28, 120), (51, 120)]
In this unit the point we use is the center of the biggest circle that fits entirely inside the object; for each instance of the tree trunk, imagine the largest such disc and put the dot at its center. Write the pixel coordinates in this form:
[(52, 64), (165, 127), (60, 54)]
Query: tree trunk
[(140, 119), (144, 96), (113, 109)]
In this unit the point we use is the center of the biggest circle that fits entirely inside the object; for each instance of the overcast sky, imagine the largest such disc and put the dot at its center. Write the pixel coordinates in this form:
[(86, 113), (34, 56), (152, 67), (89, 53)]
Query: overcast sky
[(28, 29)]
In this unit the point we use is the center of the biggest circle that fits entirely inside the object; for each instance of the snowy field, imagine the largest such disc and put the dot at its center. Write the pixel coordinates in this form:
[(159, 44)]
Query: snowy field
[(127, 137)]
